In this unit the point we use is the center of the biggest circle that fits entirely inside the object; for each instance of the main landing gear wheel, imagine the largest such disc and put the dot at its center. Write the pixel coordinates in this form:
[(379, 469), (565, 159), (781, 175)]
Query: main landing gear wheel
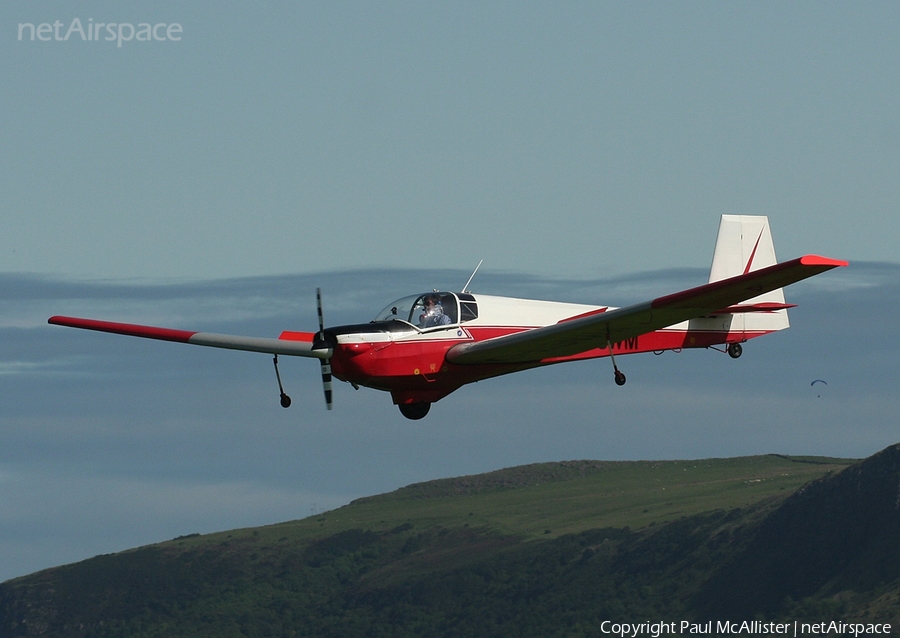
[(735, 350), (285, 400), (414, 411), (620, 378)]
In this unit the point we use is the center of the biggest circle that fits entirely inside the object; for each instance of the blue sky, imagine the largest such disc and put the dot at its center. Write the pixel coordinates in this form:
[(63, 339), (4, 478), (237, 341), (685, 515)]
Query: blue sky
[(584, 150), (570, 139)]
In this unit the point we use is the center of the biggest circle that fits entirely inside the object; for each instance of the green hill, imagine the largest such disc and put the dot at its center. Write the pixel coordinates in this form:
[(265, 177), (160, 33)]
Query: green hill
[(539, 550)]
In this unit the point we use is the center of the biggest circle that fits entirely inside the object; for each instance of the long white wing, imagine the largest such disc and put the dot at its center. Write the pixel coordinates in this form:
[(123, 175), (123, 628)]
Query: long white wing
[(290, 343), (597, 330)]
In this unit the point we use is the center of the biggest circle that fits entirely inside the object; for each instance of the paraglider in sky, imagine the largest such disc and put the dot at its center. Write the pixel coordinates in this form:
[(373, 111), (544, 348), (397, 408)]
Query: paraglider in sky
[(822, 381)]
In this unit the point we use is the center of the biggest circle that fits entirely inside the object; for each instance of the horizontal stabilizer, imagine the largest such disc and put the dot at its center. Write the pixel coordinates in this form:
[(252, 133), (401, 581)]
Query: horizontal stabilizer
[(765, 306)]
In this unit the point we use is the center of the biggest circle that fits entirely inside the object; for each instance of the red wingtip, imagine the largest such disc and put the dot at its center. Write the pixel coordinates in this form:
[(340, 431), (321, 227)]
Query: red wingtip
[(817, 260), (130, 329)]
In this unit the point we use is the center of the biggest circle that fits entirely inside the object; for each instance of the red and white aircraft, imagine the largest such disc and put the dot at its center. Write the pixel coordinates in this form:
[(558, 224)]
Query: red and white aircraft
[(423, 347)]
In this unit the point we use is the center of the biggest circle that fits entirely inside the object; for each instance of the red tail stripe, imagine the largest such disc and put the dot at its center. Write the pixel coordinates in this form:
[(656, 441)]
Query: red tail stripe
[(753, 253)]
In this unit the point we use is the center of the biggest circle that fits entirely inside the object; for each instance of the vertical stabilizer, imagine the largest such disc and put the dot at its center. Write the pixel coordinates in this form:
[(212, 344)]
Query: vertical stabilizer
[(744, 244)]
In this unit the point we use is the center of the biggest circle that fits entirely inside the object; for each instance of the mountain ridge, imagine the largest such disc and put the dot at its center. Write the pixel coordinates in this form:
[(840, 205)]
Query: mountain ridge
[(544, 549)]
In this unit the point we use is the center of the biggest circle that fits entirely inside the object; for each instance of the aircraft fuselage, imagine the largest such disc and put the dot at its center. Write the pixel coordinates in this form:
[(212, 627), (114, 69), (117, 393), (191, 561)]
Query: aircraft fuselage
[(415, 364)]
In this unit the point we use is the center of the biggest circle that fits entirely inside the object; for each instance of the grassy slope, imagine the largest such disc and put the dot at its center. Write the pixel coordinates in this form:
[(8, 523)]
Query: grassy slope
[(570, 497), (438, 554)]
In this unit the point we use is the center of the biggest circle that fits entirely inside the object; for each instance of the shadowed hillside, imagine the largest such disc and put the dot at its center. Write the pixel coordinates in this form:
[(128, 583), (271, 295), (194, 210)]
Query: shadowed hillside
[(832, 538), (541, 550)]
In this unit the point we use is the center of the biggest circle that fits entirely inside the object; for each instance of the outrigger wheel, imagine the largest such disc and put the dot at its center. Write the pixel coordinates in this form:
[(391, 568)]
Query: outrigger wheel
[(414, 411), (735, 350), (620, 378), (285, 399)]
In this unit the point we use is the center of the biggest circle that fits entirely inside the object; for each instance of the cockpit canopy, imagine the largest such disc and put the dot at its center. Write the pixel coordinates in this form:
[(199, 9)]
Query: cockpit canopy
[(431, 309)]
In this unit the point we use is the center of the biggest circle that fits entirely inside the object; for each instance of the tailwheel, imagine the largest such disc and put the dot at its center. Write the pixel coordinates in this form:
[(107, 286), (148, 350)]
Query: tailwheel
[(620, 378), (414, 411), (735, 350)]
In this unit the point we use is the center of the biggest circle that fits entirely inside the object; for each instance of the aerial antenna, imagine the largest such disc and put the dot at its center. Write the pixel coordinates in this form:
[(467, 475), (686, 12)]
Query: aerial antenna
[(466, 287)]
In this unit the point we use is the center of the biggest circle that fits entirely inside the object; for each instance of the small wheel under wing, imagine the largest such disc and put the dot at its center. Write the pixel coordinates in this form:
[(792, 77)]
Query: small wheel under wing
[(735, 350)]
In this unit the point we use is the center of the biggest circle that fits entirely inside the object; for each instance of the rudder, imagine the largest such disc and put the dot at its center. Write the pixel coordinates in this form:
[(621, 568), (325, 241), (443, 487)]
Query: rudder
[(744, 244)]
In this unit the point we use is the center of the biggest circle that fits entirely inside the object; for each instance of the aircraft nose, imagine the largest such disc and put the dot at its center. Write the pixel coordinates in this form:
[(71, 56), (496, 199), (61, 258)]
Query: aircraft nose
[(355, 349)]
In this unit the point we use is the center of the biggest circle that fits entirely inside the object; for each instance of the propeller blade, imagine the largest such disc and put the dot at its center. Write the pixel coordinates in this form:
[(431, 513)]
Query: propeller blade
[(326, 363), (319, 308), (326, 381)]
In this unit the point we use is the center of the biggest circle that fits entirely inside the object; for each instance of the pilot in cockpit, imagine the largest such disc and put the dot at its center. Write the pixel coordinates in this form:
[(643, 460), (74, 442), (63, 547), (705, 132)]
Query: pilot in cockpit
[(433, 314)]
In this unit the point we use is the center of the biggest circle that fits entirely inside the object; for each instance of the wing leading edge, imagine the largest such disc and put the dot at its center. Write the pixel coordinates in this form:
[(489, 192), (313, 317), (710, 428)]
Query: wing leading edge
[(293, 343), (597, 330)]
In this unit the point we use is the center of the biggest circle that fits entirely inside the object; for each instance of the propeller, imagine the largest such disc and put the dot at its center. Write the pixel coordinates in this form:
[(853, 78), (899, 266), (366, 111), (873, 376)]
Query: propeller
[(319, 341), (326, 363)]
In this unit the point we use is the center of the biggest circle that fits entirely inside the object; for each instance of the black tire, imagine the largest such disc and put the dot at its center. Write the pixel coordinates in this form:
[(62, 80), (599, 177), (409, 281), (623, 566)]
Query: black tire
[(285, 401), (414, 411), (620, 378), (735, 350)]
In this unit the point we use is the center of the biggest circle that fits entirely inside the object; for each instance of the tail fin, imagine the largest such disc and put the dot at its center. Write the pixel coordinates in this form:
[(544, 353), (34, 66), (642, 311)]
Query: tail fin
[(744, 244)]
